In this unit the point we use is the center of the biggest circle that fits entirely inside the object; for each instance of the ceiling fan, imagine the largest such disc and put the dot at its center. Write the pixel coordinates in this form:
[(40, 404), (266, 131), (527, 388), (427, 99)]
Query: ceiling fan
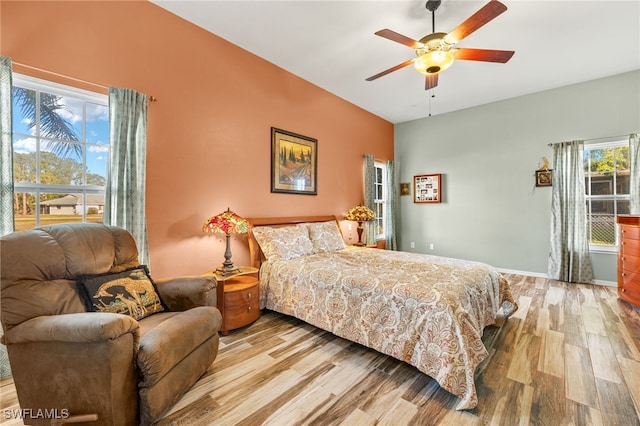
[(436, 52)]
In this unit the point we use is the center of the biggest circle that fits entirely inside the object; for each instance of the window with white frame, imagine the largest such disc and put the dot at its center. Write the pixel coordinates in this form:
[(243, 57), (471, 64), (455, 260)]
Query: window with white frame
[(379, 199), (607, 179), (60, 153)]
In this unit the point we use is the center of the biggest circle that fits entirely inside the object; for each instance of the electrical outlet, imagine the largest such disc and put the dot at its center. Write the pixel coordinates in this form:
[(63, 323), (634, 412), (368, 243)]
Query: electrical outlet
[(431, 246), (413, 244)]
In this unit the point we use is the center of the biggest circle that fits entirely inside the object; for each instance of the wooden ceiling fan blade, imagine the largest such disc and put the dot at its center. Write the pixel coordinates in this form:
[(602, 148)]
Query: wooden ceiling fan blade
[(485, 55), (399, 38), (486, 13), (430, 81), (390, 70)]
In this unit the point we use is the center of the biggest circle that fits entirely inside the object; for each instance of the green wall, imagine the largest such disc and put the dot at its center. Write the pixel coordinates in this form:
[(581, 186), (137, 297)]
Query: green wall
[(491, 210)]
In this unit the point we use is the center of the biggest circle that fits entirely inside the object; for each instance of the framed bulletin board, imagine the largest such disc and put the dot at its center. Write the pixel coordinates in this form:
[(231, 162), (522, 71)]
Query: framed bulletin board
[(427, 188)]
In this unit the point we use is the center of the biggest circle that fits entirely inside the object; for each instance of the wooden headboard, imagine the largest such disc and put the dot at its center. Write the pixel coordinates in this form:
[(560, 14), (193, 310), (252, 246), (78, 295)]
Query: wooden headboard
[(255, 253)]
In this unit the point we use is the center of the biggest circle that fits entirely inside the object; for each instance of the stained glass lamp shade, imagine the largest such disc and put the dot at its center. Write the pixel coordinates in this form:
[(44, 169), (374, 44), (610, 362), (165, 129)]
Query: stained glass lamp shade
[(226, 223)]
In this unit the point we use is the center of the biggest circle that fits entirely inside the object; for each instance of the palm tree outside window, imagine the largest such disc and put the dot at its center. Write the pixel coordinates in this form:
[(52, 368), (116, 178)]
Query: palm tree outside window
[(60, 153)]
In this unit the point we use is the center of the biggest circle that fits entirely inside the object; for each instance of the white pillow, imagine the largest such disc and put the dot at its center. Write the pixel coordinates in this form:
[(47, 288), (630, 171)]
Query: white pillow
[(283, 243), (325, 236)]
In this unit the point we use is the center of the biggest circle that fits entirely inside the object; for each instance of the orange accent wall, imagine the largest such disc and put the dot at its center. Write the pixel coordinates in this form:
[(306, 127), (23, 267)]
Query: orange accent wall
[(209, 141)]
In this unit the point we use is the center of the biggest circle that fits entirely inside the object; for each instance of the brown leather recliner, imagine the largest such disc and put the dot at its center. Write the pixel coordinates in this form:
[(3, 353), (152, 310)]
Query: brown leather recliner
[(69, 362)]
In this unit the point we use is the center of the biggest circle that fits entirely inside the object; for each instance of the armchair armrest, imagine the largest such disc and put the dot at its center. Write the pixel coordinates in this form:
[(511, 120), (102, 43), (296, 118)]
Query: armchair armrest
[(182, 293), (86, 327)]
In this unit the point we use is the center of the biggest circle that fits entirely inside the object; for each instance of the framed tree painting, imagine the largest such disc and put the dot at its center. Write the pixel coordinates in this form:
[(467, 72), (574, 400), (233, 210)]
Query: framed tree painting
[(294, 163), (427, 188)]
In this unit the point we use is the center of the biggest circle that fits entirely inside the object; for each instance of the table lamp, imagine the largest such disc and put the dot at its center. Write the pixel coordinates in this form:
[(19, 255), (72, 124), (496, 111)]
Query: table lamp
[(226, 223), (360, 214)]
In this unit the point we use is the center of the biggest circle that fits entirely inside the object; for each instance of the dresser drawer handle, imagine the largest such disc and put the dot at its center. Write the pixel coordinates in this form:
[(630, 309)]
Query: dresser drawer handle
[(249, 296), (249, 308)]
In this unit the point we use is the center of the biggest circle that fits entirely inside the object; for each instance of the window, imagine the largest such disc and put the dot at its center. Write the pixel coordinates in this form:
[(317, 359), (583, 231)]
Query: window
[(379, 199), (607, 179), (60, 153)]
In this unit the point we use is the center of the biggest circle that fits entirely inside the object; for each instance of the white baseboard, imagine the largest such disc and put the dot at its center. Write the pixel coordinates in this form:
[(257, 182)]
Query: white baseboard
[(606, 283), (541, 275), (527, 273)]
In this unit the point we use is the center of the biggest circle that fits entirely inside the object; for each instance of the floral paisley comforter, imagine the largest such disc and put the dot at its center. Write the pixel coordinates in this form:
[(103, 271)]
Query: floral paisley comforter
[(428, 311)]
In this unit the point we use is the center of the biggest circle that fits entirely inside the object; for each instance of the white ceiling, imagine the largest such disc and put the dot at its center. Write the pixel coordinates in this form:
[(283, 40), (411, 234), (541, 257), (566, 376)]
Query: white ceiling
[(332, 45)]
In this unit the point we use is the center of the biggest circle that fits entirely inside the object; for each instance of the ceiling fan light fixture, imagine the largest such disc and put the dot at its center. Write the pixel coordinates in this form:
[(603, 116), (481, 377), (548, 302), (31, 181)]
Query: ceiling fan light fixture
[(433, 62), (436, 52)]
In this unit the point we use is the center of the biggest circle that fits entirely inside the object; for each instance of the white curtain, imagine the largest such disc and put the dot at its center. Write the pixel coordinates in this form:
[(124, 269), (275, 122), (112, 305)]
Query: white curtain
[(634, 157), (125, 192), (391, 206), (369, 191), (6, 148), (569, 256)]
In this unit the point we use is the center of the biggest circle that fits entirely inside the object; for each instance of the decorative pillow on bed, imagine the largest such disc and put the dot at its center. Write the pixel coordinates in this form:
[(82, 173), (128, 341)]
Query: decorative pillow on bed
[(325, 236), (283, 243), (130, 292)]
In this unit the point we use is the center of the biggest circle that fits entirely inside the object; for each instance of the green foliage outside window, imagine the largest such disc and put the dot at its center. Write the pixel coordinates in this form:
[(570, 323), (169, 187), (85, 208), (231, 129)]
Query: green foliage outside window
[(607, 181)]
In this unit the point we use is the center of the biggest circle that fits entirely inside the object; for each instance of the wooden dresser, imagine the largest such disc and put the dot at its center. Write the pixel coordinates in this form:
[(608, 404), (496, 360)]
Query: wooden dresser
[(629, 259)]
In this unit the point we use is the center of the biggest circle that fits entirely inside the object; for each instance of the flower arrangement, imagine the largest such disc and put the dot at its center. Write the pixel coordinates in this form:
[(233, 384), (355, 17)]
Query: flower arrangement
[(360, 214)]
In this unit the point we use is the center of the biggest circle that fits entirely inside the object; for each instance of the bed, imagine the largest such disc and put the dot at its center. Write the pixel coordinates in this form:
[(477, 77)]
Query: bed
[(428, 311)]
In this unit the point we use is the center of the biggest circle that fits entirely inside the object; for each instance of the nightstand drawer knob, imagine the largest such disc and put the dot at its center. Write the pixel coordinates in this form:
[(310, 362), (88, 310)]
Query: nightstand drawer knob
[(249, 296), (249, 308)]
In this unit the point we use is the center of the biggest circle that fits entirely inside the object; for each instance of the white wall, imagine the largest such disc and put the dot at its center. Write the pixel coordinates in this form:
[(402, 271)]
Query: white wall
[(491, 210)]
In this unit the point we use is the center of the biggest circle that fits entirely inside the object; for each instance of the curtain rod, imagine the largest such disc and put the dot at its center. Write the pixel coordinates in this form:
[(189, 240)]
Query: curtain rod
[(375, 158), (151, 98), (598, 139)]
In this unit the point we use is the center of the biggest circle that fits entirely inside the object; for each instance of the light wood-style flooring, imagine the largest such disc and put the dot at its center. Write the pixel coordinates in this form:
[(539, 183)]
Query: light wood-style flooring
[(569, 356)]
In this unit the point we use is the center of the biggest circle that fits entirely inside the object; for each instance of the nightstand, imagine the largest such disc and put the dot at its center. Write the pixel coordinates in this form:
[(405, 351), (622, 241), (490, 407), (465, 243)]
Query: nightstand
[(238, 299)]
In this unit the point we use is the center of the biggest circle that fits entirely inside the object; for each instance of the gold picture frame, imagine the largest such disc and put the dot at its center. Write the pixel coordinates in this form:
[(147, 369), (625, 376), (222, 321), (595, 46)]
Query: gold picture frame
[(427, 188), (294, 163), (404, 189), (544, 177)]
